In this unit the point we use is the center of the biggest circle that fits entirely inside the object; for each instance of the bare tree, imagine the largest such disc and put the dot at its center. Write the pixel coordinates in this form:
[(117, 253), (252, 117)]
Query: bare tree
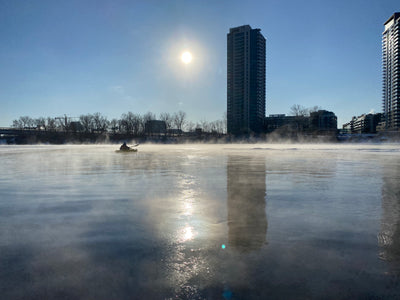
[(299, 111), (205, 126), (302, 115), (218, 126), (145, 118), (190, 126), (86, 122), (63, 123), (121, 125), (51, 124), (137, 122), (126, 123), (167, 118), (130, 123), (179, 119), (23, 122), (225, 122), (221, 126), (314, 109), (114, 126), (40, 123), (100, 122), (17, 124), (148, 116), (26, 121), (30, 122)]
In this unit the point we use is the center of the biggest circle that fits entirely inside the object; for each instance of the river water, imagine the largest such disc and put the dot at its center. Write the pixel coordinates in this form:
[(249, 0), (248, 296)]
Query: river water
[(200, 222)]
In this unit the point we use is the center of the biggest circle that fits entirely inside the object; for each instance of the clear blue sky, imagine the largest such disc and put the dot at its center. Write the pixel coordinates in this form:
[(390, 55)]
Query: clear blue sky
[(78, 57)]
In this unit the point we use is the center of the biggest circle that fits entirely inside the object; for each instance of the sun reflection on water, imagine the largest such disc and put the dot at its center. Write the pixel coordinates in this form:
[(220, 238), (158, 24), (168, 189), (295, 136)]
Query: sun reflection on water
[(186, 234), (188, 208)]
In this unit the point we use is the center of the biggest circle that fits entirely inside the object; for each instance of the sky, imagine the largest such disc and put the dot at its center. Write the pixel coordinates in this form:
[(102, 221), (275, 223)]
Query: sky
[(81, 57)]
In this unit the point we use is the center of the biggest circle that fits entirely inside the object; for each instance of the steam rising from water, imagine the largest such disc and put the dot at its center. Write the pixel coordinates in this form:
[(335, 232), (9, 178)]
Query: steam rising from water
[(297, 221)]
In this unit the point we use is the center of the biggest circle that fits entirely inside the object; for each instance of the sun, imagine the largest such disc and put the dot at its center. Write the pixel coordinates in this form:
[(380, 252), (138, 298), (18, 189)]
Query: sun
[(186, 57)]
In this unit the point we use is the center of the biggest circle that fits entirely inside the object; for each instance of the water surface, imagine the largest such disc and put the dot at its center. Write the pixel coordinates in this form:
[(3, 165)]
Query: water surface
[(200, 222)]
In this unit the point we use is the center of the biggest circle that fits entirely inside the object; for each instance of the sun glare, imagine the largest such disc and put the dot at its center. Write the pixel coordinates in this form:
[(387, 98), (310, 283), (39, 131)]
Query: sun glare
[(186, 57)]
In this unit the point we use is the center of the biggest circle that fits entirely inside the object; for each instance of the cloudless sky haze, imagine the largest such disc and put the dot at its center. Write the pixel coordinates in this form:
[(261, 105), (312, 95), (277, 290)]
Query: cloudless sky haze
[(79, 57)]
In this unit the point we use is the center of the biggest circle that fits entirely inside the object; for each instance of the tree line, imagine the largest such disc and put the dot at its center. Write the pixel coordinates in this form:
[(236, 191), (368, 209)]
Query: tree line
[(298, 110), (129, 123)]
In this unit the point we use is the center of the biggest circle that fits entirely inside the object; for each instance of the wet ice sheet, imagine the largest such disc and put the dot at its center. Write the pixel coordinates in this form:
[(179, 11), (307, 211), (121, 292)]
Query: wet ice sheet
[(200, 221)]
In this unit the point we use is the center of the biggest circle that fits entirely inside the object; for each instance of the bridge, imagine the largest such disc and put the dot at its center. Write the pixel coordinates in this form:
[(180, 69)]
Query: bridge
[(34, 135), (13, 135), (16, 131)]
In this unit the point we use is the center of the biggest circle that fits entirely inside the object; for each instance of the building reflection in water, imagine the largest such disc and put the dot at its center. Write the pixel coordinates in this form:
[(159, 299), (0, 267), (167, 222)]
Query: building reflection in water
[(389, 237), (246, 190)]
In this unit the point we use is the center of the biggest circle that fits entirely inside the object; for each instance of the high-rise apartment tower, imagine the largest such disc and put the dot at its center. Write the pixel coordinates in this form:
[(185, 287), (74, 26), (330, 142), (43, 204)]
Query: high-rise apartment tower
[(391, 72), (246, 80)]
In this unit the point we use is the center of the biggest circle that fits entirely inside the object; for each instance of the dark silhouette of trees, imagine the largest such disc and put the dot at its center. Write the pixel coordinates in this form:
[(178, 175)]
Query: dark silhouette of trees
[(145, 118), (114, 126), (93, 123), (168, 119), (190, 126), (100, 123), (128, 124), (298, 110), (40, 123), (26, 122), (62, 123), (179, 119), (302, 114), (86, 122), (17, 124), (51, 124)]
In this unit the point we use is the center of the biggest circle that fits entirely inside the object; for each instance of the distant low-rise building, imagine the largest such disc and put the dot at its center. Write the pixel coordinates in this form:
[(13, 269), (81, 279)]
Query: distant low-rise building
[(273, 122), (76, 126), (381, 126), (323, 120), (366, 123), (349, 126), (155, 127), (174, 131)]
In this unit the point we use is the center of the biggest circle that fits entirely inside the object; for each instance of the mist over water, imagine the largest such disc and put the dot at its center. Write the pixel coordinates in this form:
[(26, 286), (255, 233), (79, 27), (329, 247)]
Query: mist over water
[(200, 222)]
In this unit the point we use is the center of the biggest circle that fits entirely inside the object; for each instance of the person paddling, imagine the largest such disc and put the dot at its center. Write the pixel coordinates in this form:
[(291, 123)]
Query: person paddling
[(124, 147)]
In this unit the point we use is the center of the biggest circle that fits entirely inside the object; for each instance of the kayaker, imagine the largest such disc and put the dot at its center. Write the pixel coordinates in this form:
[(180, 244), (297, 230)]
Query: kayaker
[(124, 147)]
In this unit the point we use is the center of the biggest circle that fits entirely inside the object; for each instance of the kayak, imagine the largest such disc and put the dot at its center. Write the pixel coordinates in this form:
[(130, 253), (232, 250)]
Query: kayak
[(127, 150)]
